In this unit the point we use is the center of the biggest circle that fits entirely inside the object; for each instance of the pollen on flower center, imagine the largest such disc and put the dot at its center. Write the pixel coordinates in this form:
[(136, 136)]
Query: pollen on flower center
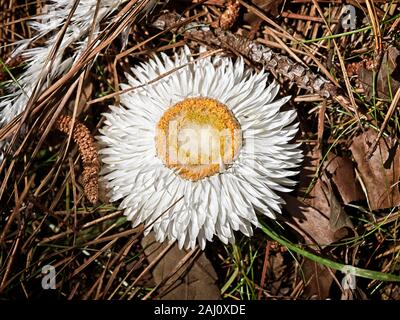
[(198, 137)]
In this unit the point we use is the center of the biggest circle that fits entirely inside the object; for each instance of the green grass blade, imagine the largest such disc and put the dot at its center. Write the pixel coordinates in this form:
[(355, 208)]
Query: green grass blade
[(359, 272)]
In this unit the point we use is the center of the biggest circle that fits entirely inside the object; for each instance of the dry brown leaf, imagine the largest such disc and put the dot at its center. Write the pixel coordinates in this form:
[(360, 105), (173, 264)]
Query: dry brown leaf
[(310, 223), (343, 176), (315, 226), (319, 217), (339, 221), (278, 268), (318, 280), (380, 174), (388, 76), (321, 226), (197, 282)]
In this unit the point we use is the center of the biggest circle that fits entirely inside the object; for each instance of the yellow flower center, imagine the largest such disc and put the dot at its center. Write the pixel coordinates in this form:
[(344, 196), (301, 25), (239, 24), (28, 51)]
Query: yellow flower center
[(198, 137)]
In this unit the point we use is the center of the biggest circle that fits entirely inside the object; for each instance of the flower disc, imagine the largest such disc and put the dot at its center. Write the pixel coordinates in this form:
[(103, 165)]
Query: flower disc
[(198, 137)]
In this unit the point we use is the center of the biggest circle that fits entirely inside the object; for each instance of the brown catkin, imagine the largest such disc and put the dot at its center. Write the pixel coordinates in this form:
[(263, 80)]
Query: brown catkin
[(88, 152), (230, 15)]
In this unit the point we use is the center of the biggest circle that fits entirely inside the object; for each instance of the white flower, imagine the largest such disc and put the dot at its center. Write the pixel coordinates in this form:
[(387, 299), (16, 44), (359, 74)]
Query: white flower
[(199, 151)]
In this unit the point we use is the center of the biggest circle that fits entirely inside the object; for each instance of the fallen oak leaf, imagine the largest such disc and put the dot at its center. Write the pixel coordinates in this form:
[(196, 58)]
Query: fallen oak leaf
[(381, 173), (312, 225), (339, 221), (319, 216), (336, 178), (196, 282), (320, 219), (341, 171)]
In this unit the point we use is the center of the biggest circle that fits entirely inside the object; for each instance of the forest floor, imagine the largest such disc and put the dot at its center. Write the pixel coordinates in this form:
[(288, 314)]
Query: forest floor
[(337, 237)]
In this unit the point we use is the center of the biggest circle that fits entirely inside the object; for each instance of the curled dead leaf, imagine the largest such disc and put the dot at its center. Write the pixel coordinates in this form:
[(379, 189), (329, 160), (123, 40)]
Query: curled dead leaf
[(381, 173), (319, 216), (339, 221), (341, 171)]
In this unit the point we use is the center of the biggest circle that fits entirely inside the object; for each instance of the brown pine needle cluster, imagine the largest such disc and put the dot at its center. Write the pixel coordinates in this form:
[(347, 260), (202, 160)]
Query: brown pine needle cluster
[(88, 152)]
